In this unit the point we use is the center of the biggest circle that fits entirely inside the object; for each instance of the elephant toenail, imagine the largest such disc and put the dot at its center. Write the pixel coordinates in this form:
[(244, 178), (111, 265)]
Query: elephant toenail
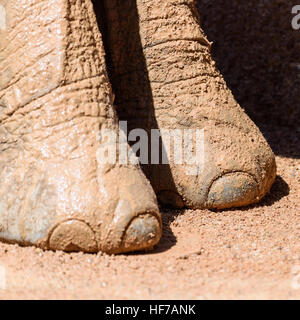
[(73, 236), (232, 189), (143, 232)]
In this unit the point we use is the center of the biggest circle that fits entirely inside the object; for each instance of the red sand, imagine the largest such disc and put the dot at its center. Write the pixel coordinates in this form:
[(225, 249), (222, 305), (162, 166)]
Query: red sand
[(234, 254)]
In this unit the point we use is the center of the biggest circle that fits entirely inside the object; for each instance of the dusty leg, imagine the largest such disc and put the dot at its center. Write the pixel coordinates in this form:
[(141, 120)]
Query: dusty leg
[(56, 99), (167, 77)]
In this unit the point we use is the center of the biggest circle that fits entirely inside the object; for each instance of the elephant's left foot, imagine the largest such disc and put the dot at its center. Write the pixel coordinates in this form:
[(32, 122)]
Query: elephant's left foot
[(165, 78)]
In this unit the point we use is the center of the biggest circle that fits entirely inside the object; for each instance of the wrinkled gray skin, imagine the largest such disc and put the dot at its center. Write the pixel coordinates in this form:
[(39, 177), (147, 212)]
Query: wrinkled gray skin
[(58, 100)]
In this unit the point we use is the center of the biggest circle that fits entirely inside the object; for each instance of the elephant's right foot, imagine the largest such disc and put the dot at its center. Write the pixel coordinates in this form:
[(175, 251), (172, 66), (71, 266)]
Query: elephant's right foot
[(55, 194), (55, 191)]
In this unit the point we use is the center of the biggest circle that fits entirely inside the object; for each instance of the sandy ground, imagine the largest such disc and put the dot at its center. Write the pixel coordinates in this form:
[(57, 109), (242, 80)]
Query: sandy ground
[(234, 254)]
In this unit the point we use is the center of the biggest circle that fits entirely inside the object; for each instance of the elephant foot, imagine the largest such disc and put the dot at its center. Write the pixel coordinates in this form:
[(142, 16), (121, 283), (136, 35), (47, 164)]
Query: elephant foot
[(165, 78), (55, 190)]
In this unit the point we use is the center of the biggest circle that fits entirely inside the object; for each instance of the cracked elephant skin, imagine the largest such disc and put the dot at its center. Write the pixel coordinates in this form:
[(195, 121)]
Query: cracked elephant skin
[(69, 70)]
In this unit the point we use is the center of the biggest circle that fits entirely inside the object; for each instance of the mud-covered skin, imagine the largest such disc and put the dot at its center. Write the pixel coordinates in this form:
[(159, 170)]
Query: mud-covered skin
[(55, 100), (54, 192), (164, 77)]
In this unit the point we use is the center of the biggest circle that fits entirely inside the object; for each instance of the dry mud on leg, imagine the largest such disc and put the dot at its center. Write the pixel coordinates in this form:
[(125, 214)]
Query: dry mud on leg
[(55, 102), (164, 77)]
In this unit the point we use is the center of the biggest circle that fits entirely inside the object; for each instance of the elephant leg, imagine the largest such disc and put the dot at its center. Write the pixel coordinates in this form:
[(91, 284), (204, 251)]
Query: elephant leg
[(56, 192), (164, 77)]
